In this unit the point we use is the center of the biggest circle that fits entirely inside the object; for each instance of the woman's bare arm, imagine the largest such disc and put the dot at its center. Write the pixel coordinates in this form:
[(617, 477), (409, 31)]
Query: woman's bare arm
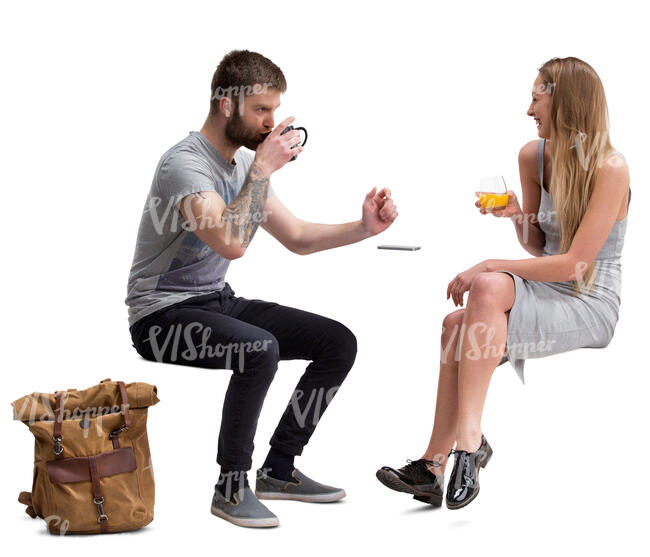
[(610, 189), (529, 234)]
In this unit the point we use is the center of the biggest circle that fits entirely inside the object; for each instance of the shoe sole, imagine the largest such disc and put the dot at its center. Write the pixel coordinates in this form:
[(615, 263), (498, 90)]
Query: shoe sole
[(246, 522), (393, 482), (475, 495), (316, 498), (464, 503)]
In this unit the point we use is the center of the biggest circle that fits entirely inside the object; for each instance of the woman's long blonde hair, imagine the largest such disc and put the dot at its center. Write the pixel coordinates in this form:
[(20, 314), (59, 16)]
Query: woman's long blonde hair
[(579, 139)]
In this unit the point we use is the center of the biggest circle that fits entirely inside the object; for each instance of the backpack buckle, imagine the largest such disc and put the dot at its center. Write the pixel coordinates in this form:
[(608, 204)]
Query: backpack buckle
[(58, 448), (116, 432), (99, 501)]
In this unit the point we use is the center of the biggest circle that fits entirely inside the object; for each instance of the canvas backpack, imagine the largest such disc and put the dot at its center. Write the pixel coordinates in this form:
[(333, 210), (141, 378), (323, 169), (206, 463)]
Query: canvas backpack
[(92, 464)]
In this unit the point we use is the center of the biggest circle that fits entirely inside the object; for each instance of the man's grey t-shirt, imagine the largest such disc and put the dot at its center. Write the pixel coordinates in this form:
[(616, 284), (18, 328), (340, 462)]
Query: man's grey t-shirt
[(170, 263)]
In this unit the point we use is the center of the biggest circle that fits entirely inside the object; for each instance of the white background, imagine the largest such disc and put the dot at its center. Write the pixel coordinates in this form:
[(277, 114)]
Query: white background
[(422, 97)]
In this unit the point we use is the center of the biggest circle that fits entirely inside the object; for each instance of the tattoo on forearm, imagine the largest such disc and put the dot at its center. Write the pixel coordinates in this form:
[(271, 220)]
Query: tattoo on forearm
[(245, 213)]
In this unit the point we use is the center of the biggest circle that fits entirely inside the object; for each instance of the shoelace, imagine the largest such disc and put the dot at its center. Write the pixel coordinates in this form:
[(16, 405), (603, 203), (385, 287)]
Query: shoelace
[(411, 464), (463, 462), (414, 465)]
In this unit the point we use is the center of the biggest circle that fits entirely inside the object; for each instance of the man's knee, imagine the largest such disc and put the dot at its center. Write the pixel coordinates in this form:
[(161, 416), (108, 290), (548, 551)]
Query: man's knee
[(343, 342)]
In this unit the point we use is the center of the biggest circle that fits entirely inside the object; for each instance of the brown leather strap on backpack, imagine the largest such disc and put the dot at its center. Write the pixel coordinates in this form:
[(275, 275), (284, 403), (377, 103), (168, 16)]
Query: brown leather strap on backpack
[(98, 498), (25, 497), (77, 469), (57, 436), (125, 404), (125, 412)]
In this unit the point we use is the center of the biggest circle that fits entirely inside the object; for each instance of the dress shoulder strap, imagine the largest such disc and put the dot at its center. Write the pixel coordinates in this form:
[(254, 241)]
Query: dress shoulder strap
[(540, 161), (614, 153), (629, 197)]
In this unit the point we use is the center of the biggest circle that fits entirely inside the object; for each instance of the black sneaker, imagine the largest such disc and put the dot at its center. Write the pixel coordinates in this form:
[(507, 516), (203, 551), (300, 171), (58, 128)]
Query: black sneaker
[(414, 478)]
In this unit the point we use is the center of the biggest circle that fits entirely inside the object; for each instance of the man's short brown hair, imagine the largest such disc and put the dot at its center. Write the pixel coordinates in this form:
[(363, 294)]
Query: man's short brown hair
[(238, 74)]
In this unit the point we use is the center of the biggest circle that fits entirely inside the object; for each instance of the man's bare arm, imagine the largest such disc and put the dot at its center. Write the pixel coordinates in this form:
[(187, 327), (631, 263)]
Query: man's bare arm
[(228, 230), (301, 237), (245, 213)]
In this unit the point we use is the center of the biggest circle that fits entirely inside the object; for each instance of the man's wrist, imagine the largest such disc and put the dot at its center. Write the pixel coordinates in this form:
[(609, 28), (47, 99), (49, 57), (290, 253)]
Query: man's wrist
[(364, 233), (264, 168)]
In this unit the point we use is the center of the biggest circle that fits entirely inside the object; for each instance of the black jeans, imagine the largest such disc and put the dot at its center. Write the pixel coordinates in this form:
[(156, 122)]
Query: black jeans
[(249, 337)]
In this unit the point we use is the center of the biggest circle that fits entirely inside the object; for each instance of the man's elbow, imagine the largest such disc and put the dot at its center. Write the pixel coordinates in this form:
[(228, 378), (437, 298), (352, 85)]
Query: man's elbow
[(299, 248), (226, 245), (297, 243), (230, 250), (234, 252)]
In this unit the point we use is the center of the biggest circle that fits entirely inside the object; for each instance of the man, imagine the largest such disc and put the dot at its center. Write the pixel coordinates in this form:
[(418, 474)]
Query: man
[(207, 199)]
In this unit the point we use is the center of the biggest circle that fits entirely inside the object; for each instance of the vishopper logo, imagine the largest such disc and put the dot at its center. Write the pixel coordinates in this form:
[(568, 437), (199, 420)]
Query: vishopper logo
[(532, 219), (596, 148), (180, 336), (580, 269), (543, 88), (315, 405), (233, 482), (240, 92), (165, 218), (484, 348), (38, 408), (56, 520), (149, 467)]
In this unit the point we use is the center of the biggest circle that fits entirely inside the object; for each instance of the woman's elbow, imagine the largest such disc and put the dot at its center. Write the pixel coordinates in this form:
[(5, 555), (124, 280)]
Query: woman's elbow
[(533, 250), (577, 267)]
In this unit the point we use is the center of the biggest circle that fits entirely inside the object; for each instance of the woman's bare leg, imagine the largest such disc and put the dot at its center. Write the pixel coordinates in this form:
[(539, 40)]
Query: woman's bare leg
[(486, 327), (445, 424)]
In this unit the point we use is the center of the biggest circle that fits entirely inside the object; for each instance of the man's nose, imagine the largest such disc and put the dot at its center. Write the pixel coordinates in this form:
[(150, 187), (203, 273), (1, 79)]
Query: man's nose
[(530, 110), (269, 123)]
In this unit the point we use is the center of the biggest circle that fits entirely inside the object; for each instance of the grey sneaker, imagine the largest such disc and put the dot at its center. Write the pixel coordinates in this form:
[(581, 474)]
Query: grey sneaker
[(301, 488), (244, 509)]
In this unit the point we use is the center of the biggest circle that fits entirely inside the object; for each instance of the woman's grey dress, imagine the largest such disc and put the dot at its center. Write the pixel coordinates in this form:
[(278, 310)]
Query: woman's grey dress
[(546, 318)]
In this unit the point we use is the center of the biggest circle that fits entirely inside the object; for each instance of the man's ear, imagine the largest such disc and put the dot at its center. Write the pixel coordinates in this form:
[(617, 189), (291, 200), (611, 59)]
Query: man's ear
[(225, 104)]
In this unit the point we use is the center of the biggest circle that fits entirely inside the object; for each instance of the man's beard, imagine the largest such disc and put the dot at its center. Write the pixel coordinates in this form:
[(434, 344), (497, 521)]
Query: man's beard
[(239, 134)]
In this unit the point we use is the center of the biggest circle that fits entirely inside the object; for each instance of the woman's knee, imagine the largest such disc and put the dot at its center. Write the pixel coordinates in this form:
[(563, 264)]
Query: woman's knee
[(451, 325), (451, 332), (492, 290)]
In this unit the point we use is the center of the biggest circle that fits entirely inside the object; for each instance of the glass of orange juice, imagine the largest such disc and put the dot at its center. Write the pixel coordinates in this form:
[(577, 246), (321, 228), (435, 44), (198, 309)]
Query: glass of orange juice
[(489, 197)]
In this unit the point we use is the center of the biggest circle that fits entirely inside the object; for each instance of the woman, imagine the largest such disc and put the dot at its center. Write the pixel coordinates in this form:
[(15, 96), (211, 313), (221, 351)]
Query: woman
[(573, 220)]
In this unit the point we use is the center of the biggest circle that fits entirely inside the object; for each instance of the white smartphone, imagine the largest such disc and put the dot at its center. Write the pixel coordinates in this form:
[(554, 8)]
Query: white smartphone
[(401, 248)]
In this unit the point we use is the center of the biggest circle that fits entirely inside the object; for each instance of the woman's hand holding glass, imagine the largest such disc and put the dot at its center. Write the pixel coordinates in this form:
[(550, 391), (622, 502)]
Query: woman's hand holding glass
[(487, 205)]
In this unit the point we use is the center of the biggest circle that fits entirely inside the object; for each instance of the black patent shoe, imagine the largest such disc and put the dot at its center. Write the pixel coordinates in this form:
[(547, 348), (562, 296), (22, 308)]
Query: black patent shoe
[(414, 478), (463, 486)]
